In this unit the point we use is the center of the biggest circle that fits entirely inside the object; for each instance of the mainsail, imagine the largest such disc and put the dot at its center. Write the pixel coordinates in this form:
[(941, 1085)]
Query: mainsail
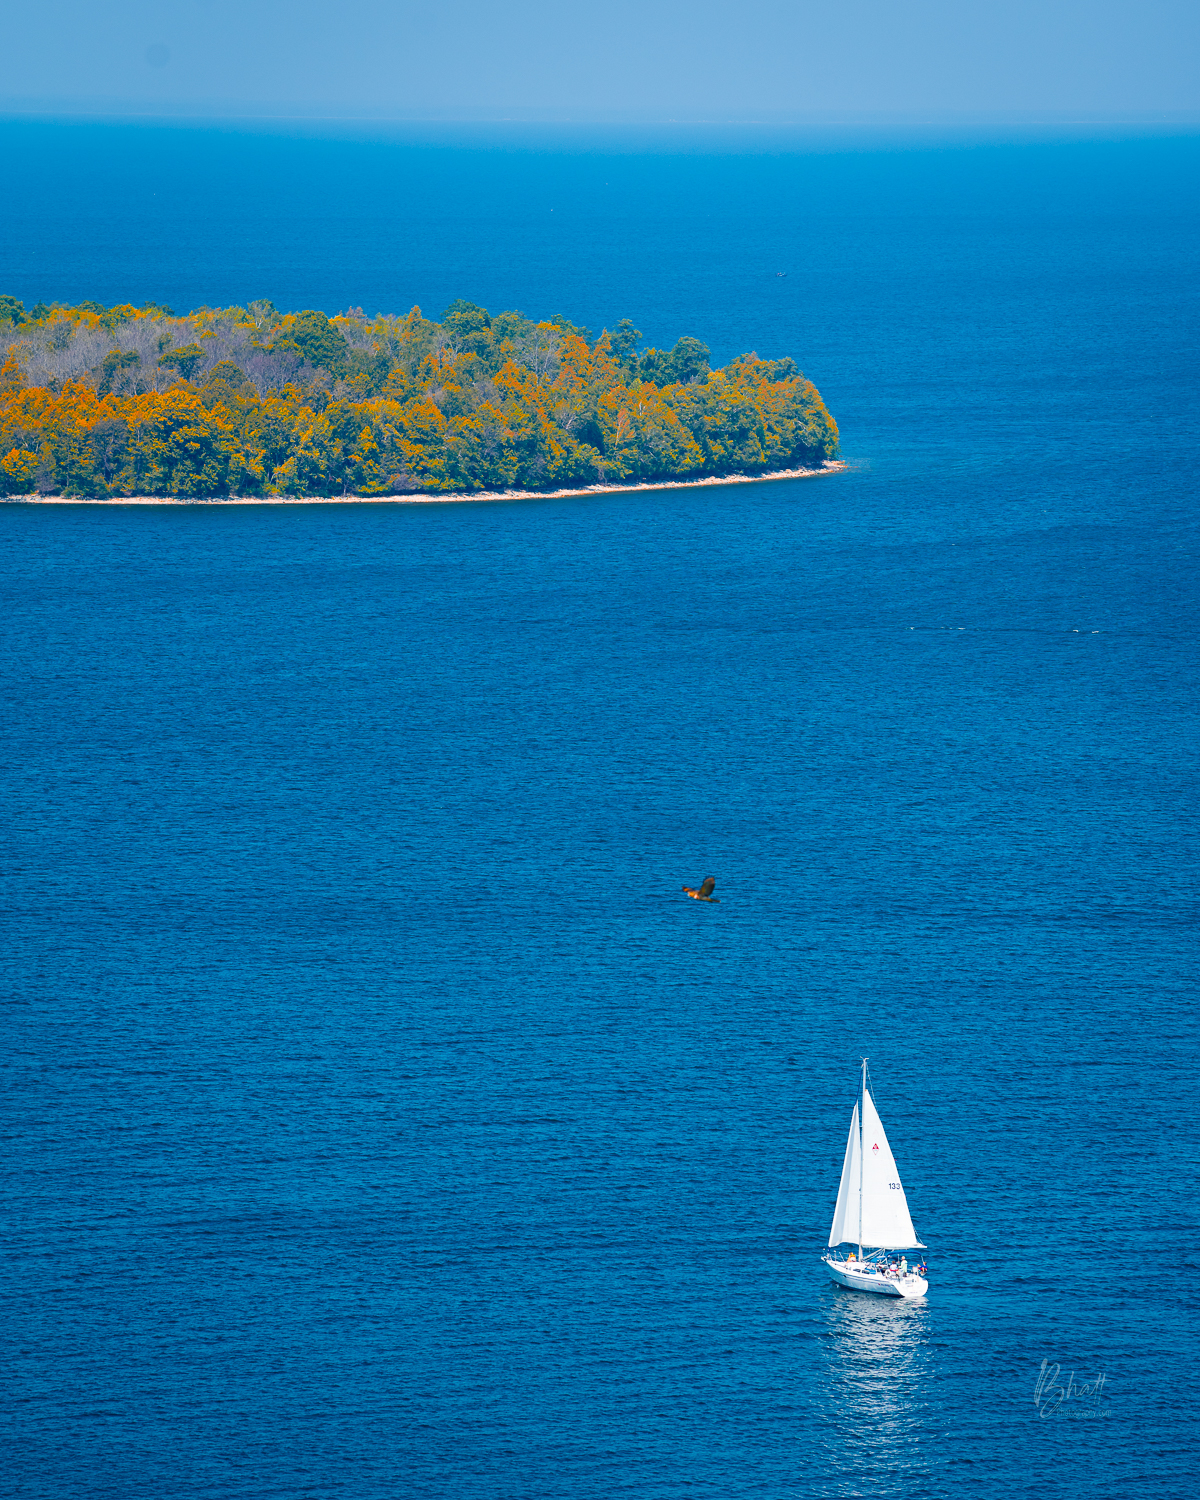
[(885, 1217), (873, 1182)]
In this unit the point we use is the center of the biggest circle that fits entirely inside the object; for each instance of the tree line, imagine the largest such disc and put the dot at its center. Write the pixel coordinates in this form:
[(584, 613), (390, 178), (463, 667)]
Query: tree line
[(112, 401)]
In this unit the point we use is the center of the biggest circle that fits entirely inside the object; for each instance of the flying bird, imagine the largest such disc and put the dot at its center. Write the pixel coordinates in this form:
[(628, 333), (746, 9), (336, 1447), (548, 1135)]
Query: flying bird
[(705, 893)]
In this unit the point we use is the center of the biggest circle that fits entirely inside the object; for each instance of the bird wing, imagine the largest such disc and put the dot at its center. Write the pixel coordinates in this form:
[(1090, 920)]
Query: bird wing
[(709, 885)]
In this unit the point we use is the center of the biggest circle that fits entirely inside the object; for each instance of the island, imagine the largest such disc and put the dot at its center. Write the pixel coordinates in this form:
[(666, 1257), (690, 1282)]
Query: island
[(114, 402)]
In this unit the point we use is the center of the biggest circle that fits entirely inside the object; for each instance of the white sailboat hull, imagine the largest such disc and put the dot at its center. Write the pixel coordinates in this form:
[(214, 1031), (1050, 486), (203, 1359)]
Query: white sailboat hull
[(883, 1284)]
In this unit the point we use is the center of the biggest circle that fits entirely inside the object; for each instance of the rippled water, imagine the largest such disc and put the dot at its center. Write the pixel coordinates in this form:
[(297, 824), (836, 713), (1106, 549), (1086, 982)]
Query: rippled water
[(383, 1119)]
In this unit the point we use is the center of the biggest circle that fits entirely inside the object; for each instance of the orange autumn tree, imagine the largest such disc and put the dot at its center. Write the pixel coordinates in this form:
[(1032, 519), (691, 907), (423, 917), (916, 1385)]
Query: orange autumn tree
[(116, 401)]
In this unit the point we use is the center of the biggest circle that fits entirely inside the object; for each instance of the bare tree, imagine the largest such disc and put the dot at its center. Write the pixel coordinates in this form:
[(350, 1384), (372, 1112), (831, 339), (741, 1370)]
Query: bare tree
[(538, 351), (55, 353), (567, 416), (225, 341), (143, 337), (357, 336), (263, 316), (270, 370)]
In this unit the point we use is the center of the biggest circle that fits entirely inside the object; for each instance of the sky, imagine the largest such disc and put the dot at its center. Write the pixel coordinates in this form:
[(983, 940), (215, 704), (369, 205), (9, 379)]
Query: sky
[(626, 60)]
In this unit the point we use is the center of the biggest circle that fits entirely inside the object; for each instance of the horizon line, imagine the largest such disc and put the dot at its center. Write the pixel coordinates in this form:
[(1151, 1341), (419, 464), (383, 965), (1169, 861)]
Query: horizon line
[(290, 116)]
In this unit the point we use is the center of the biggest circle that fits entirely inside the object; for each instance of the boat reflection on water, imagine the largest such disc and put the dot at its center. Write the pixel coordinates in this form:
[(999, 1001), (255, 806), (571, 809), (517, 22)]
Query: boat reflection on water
[(879, 1366)]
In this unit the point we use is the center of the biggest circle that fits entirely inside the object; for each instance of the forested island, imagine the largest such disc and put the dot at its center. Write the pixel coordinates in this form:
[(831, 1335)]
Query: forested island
[(113, 401)]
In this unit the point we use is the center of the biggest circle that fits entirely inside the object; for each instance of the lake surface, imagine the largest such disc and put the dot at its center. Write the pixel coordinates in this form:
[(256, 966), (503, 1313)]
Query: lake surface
[(382, 1119)]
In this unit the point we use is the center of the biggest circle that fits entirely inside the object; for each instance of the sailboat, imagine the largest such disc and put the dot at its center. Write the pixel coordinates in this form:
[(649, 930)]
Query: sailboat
[(872, 1213)]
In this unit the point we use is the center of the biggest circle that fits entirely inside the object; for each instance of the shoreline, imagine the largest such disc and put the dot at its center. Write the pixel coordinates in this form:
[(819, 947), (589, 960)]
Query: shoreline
[(830, 466)]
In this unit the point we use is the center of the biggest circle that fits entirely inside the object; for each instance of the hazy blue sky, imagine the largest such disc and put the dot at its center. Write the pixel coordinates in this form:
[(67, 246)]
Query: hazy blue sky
[(626, 59)]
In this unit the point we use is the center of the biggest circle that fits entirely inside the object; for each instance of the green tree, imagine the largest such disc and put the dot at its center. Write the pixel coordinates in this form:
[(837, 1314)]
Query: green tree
[(567, 326), (689, 361), (624, 342), (227, 371), (368, 372), (116, 362), (511, 325), (319, 341), (263, 315), (184, 359), (107, 442), (469, 327)]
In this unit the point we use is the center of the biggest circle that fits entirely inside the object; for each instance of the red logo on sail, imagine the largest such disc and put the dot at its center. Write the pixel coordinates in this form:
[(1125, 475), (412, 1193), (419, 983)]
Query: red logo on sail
[(875, 1147)]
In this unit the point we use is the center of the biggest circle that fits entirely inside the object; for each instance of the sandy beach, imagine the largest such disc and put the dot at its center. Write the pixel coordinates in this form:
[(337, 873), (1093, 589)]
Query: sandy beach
[(831, 467)]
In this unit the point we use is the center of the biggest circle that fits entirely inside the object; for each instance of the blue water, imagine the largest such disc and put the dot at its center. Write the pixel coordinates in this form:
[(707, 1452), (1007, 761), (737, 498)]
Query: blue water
[(382, 1120)]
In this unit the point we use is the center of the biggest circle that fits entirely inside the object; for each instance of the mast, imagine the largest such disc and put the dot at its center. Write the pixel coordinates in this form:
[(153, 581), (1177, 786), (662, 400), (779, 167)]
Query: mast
[(862, 1108)]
